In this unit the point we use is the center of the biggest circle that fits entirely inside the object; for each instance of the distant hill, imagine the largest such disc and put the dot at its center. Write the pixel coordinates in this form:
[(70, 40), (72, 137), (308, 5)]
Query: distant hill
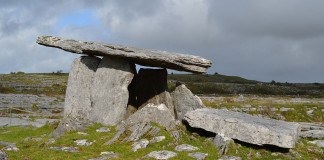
[(216, 78)]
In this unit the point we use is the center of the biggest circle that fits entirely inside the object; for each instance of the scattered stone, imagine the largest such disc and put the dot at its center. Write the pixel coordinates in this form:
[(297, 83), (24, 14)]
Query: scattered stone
[(222, 142), (3, 155), (50, 141), (82, 142), (109, 91), (82, 133), (32, 139), (144, 57), (65, 149), (198, 155), (283, 109), (107, 153), (185, 147), (164, 154), (295, 153), (310, 112), (230, 158), (103, 129), (317, 134), (11, 148), (157, 139), (175, 135), (137, 131), (184, 101), (140, 144), (319, 143), (159, 114), (116, 137), (279, 116), (305, 126), (245, 127)]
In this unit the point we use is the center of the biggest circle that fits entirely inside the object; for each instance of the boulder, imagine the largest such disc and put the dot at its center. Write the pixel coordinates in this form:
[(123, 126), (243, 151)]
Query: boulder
[(245, 127), (109, 92), (159, 114), (143, 57), (184, 101)]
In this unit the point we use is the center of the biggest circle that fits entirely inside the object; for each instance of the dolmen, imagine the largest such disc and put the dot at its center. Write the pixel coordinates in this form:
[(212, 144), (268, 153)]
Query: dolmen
[(104, 86)]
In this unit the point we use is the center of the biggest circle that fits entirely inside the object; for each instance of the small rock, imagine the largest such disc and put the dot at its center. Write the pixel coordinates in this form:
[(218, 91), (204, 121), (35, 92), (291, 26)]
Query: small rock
[(83, 142), (11, 148), (318, 134), (322, 110), (102, 129), (295, 153), (50, 141), (185, 147), (258, 154), (65, 149), (198, 155), (280, 117), (310, 112), (161, 154), (116, 137), (230, 158), (140, 144), (319, 143), (82, 133), (108, 155), (176, 135), (3, 155), (157, 139), (221, 141), (283, 109)]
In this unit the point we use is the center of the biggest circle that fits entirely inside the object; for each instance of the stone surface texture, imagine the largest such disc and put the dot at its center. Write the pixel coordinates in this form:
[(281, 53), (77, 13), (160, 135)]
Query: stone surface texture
[(109, 91), (184, 101), (245, 127), (186, 148), (140, 144), (164, 154), (317, 134), (230, 158), (78, 92), (143, 57), (159, 114), (198, 155)]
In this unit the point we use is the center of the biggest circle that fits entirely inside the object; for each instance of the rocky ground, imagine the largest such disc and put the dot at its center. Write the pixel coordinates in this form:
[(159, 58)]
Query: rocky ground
[(30, 110)]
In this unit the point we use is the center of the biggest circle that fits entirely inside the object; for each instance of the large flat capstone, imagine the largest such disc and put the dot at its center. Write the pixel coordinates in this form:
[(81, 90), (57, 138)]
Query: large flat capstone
[(245, 127), (146, 57)]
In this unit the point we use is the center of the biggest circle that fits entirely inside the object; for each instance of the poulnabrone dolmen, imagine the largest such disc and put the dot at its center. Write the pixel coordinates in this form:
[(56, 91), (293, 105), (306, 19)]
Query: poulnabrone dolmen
[(105, 87)]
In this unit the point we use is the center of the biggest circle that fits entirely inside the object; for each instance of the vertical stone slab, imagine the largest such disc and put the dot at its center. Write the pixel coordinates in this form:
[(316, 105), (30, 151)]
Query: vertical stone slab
[(109, 91), (184, 101), (78, 98), (151, 87), (77, 107)]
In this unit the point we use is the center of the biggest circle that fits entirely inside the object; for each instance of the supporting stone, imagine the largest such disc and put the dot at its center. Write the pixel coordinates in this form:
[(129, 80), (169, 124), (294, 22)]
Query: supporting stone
[(151, 87), (78, 94), (109, 91)]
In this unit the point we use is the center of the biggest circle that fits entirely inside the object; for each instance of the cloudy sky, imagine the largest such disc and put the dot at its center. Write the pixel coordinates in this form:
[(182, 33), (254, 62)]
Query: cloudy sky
[(265, 40)]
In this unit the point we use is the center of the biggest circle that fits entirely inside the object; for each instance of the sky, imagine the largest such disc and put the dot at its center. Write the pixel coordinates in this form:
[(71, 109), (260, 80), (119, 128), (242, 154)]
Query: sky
[(265, 40)]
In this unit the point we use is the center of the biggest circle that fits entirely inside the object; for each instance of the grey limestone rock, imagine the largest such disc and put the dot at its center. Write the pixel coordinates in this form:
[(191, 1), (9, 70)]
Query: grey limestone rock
[(143, 57), (65, 149), (185, 147), (319, 143), (82, 142), (102, 129), (157, 139), (184, 101), (159, 114), (164, 154), (109, 91), (3, 155), (230, 158), (245, 127), (222, 142), (140, 144), (198, 155), (318, 134)]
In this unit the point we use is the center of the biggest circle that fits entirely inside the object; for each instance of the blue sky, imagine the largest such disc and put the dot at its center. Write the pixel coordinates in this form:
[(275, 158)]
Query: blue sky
[(255, 39)]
